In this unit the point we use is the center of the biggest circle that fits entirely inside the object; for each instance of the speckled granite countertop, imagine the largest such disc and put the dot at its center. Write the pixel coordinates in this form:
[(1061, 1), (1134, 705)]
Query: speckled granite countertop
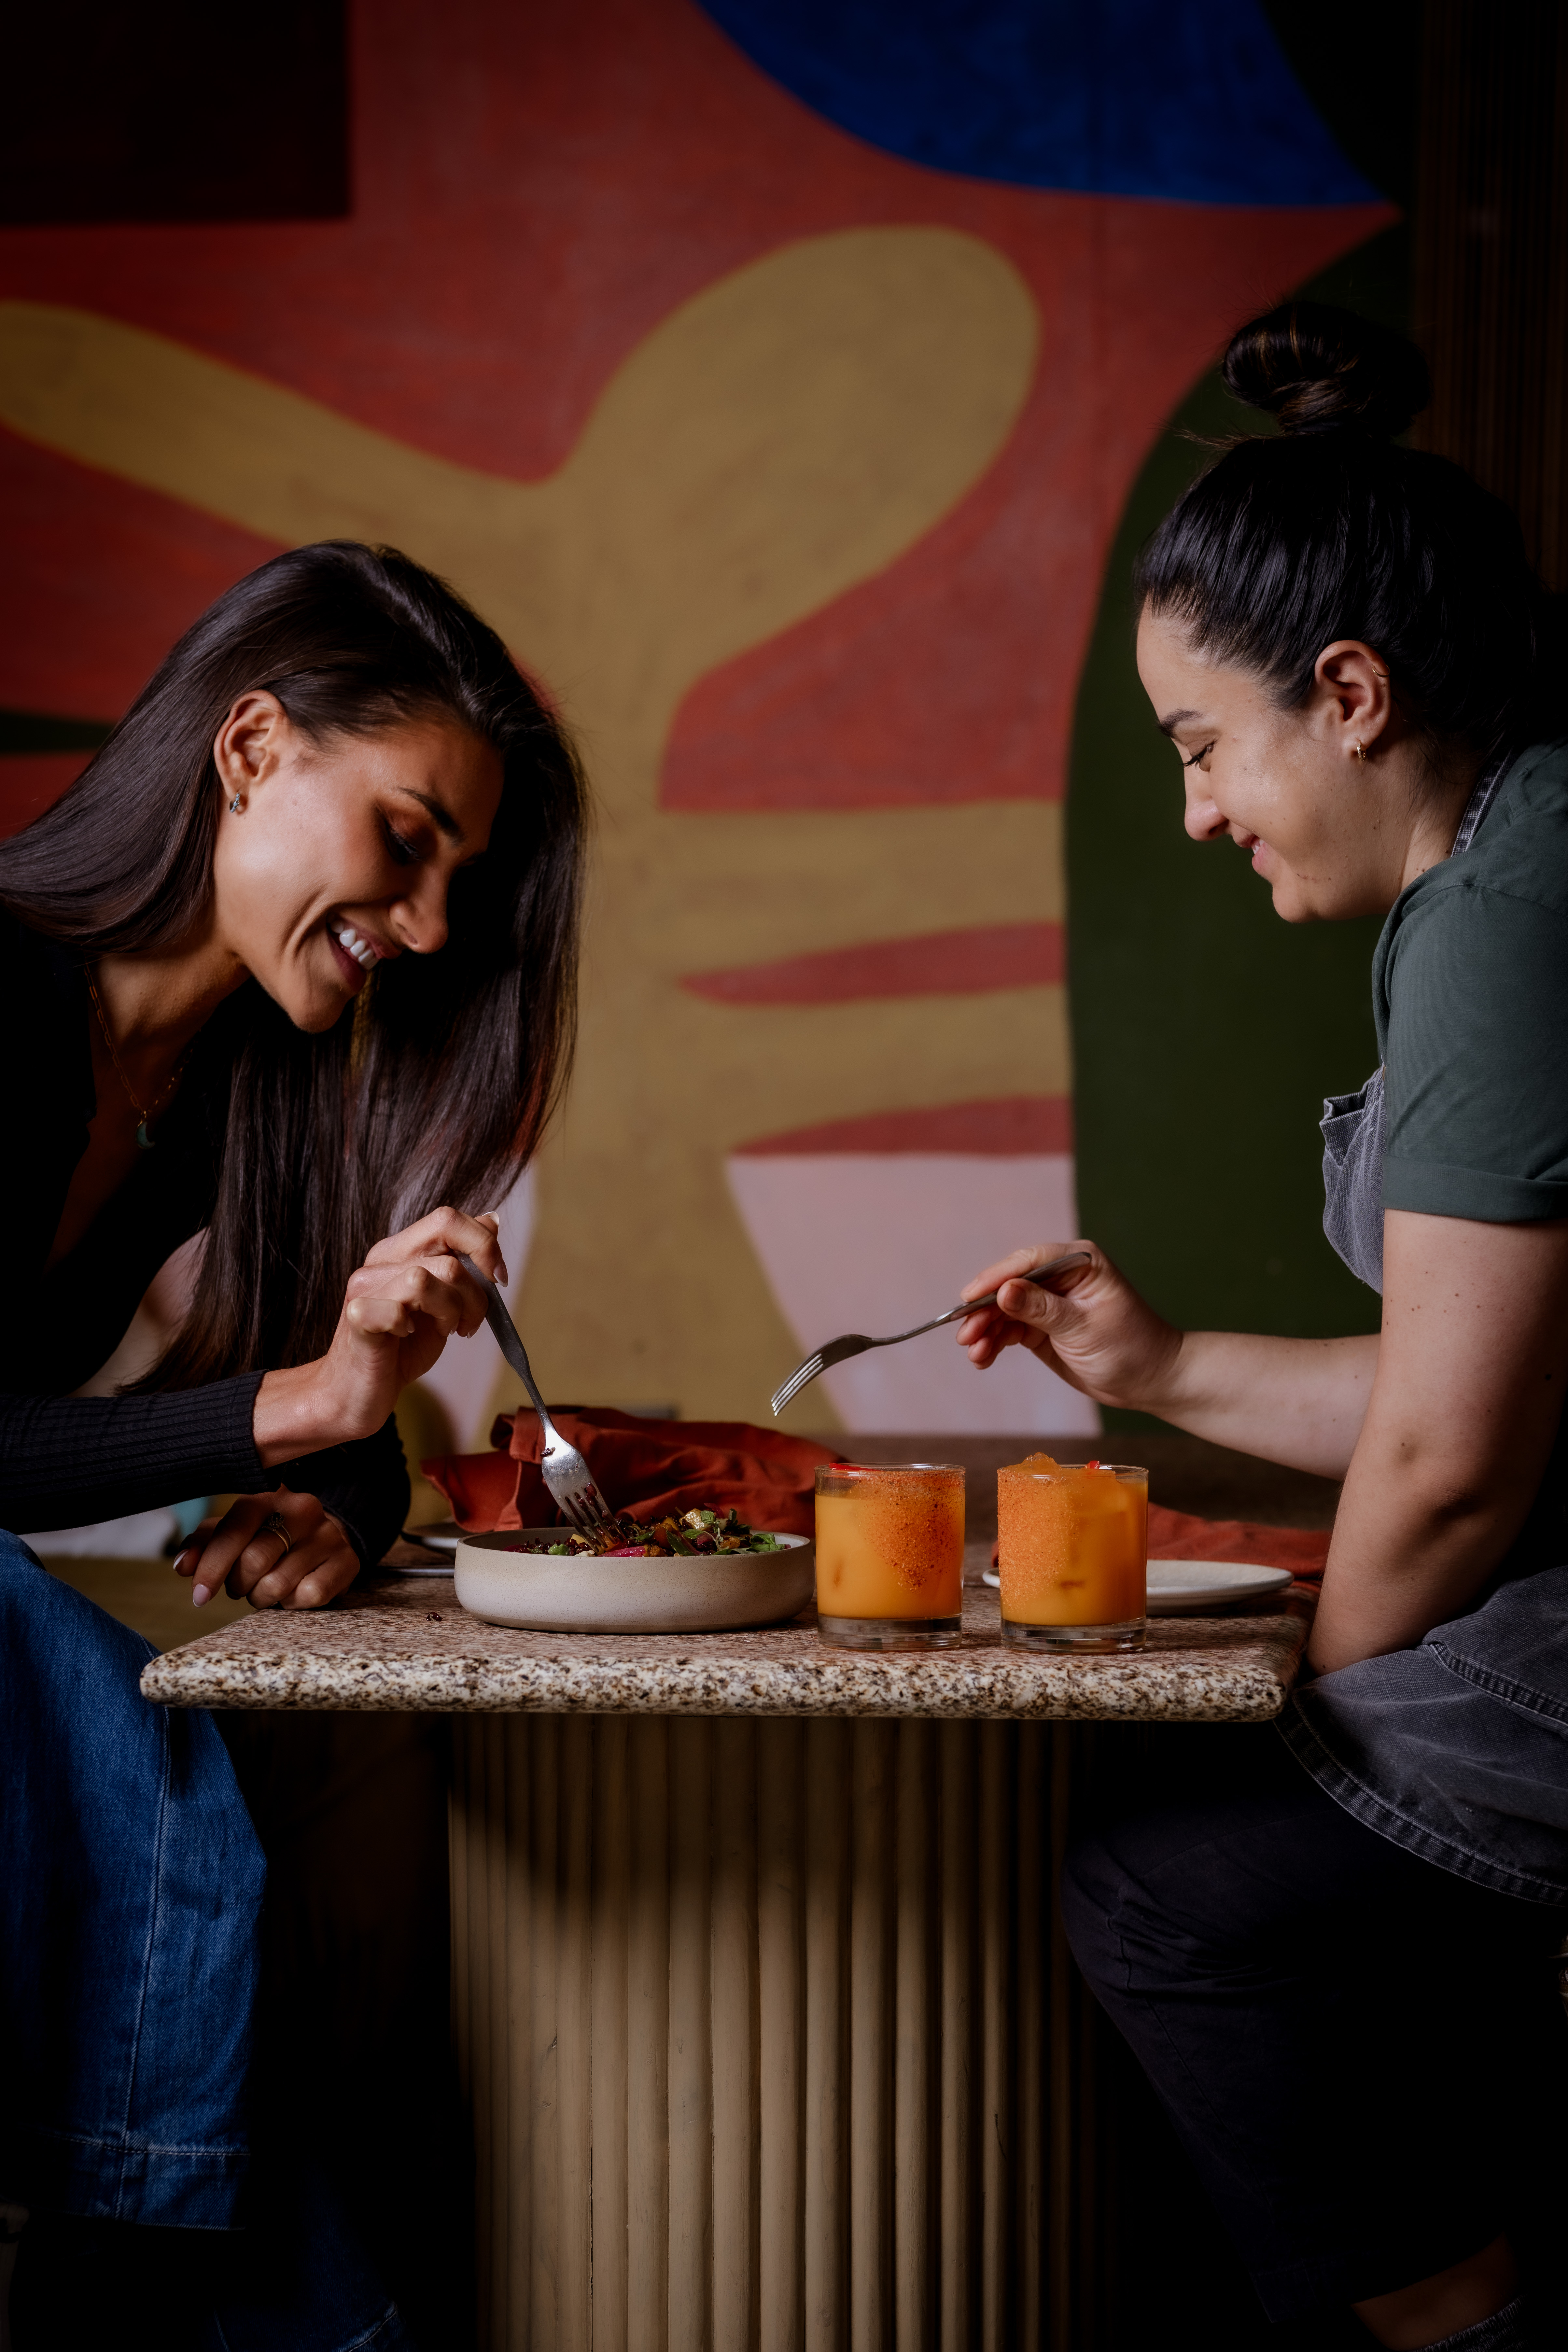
[(402, 1645)]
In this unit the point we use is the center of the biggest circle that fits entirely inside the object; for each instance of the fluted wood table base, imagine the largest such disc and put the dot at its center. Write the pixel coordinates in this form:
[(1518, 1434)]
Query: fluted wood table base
[(768, 2033)]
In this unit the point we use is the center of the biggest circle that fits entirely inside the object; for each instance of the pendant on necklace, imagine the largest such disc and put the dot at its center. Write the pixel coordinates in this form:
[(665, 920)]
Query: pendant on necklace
[(144, 1141)]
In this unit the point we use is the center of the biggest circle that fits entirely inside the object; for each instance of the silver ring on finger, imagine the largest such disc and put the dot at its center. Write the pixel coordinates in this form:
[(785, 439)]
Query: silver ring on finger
[(274, 1524)]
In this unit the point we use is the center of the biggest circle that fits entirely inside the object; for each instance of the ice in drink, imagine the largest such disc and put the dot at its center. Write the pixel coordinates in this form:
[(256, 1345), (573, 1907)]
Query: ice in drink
[(1072, 1551), (889, 1554)]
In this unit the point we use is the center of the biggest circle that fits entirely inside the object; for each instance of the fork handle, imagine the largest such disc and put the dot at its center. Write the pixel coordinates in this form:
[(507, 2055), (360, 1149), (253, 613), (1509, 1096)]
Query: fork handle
[(507, 1339)]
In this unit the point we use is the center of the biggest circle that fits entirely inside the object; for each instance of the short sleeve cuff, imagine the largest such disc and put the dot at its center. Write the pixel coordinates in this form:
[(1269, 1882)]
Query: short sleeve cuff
[(1430, 1188)]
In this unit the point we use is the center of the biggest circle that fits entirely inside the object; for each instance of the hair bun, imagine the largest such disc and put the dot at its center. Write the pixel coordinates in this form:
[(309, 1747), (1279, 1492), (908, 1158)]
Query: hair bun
[(1323, 369)]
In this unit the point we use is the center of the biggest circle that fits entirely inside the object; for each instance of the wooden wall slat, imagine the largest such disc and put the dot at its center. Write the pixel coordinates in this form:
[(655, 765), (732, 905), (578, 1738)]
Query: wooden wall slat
[(647, 2040), (960, 2120), (1491, 255), (690, 2109), (610, 2026), (768, 2035), (871, 2037), (826, 1804), (781, 2037), (738, 2122), (917, 2128)]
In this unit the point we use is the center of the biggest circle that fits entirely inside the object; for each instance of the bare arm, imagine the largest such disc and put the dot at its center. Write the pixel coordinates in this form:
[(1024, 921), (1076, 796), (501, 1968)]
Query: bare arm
[(1467, 1395), (1300, 1402), (1441, 1428)]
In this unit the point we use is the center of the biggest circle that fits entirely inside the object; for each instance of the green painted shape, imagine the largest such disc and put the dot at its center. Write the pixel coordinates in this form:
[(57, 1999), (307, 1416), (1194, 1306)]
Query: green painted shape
[(1205, 1030), (25, 731)]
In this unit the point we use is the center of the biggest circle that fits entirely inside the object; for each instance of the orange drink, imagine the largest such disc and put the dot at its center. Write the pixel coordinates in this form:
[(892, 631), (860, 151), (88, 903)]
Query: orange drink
[(1073, 1553), (889, 1555)]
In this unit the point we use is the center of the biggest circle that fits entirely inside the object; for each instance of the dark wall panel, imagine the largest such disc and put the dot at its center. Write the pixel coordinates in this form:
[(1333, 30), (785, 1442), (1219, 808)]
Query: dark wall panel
[(177, 112), (1491, 255)]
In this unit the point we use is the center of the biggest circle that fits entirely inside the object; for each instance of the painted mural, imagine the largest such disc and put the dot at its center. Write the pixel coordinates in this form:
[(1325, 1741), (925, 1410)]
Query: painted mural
[(773, 377)]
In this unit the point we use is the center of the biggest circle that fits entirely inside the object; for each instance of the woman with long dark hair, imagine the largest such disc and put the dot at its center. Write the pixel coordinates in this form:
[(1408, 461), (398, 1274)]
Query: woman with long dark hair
[(1339, 1974), (290, 967)]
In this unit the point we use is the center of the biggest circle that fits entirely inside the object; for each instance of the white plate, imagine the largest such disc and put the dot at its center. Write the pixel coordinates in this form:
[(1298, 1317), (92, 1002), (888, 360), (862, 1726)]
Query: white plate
[(708, 1592), (423, 1551), (1196, 1584), (1178, 1584)]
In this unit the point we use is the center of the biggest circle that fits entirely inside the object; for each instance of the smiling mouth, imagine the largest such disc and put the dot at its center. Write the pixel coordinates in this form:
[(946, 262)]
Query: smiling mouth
[(359, 949)]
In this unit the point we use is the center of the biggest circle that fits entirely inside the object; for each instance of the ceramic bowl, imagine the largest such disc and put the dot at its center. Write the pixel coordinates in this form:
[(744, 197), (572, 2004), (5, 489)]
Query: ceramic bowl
[(709, 1593)]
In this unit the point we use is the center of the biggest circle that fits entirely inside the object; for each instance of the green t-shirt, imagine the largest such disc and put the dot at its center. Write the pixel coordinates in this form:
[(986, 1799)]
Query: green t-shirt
[(1471, 997)]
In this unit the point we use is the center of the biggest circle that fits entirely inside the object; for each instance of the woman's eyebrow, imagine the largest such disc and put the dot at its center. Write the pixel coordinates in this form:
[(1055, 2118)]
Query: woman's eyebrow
[(442, 817), (1175, 719)]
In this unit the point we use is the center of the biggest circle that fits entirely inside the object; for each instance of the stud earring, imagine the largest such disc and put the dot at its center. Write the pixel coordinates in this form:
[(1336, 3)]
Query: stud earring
[(1361, 750), (234, 807)]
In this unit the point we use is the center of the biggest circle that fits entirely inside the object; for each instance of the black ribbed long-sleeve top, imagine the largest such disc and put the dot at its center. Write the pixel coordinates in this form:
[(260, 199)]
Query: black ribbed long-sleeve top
[(68, 1460)]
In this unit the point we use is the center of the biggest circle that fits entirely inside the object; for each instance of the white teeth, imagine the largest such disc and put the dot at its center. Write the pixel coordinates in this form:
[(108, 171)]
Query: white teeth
[(362, 950)]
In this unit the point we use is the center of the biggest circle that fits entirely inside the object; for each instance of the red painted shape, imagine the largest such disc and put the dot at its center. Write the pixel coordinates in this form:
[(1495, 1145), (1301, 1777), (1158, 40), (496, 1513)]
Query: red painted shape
[(535, 189), (98, 580), (942, 963), (952, 676), (1011, 1127)]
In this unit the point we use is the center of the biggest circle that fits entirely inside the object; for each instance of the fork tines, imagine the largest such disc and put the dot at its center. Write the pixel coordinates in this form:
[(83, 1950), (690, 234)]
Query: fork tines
[(796, 1382)]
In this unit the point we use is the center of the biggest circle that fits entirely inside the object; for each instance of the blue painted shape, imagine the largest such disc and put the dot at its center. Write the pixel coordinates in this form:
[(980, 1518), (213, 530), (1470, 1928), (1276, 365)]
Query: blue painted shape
[(1184, 99)]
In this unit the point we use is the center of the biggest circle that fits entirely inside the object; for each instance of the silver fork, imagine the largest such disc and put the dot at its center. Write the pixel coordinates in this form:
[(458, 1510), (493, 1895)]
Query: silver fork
[(567, 1474), (855, 1343)]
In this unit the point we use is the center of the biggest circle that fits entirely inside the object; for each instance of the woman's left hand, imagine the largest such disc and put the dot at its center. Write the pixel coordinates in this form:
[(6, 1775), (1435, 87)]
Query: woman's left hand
[(247, 1558)]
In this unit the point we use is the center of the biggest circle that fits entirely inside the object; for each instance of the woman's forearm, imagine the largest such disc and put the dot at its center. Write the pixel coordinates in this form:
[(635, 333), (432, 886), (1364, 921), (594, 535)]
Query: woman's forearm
[(64, 1460), (1299, 1402), (293, 1415)]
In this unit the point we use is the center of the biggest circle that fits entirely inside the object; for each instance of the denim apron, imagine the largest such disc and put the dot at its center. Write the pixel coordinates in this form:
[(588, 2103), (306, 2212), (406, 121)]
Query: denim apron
[(1457, 1750)]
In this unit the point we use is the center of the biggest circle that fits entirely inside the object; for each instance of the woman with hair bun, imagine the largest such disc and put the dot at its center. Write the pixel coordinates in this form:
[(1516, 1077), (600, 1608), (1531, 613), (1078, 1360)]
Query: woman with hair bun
[(1339, 1974), (291, 967)]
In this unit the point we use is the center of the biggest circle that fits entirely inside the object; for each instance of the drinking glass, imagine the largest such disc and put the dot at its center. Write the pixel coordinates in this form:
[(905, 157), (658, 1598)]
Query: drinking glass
[(889, 1555), (1073, 1554)]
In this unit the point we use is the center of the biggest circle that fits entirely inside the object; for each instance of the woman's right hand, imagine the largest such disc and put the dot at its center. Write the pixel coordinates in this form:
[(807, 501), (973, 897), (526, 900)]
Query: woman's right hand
[(1088, 1325), (408, 1299)]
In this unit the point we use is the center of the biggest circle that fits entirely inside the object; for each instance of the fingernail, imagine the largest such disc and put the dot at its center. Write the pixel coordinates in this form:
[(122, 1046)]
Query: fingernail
[(502, 1274), (200, 1595)]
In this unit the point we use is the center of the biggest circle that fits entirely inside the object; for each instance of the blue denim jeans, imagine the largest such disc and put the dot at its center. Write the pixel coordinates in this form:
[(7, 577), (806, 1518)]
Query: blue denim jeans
[(131, 1890)]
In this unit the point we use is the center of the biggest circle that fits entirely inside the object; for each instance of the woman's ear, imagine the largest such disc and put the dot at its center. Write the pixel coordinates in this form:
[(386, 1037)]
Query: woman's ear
[(249, 745), (1352, 689)]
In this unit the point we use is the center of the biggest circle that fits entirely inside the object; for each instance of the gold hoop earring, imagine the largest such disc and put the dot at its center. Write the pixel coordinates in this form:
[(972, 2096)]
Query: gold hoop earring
[(1361, 750)]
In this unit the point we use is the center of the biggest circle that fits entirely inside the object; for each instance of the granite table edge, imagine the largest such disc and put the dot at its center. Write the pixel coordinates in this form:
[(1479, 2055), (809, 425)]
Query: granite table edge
[(411, 1649)]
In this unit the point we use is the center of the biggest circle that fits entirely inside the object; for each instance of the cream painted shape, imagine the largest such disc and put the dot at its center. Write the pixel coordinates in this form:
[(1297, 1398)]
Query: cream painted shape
[(787, 432)]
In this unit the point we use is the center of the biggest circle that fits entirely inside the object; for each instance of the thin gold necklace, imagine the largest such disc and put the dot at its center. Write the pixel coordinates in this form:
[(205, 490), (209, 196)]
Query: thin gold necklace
[(146, 1117)]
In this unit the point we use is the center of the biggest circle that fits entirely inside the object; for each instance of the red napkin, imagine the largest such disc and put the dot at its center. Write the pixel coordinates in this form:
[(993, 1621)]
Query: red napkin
[(1180, 1535), (647, 1468)]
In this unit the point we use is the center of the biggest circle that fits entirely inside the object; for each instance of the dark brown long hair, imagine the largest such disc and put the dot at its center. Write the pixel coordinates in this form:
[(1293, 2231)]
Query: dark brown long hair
[(437, 1085)]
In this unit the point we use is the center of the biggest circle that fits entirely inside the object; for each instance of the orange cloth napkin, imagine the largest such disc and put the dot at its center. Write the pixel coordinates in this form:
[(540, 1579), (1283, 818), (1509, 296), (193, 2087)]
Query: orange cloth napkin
[(1180, 1535), (646, 1468)]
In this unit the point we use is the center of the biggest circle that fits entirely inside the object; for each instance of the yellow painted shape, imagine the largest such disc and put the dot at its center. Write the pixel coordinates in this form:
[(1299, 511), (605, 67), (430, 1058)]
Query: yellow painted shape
[(754, 887), (784, 434)]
